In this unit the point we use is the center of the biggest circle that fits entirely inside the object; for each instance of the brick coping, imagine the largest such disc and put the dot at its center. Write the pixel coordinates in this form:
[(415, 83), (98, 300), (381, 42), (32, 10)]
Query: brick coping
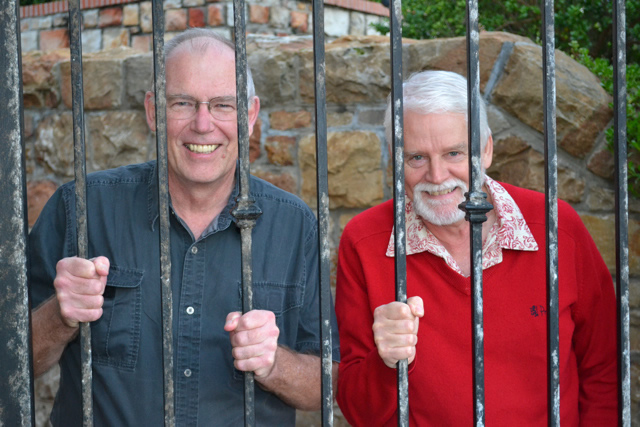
[(44, 9)]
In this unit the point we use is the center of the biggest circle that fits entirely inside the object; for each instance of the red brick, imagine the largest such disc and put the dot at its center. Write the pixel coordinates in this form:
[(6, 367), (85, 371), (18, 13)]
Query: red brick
[(54, 39), (283, 120), (299, 21), (141, 43), (280, 149), (254, 141), (216, 16), (110, 17), (284, 181), (258, 14), (175, 20), (196, 17), (38, 192)]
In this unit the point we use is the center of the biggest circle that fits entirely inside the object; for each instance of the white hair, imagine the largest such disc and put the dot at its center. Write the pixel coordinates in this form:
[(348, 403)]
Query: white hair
[(211, 38), (437, 92)]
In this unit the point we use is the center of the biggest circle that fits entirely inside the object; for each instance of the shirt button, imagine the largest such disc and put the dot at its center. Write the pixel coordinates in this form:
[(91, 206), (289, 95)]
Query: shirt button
[(190, 310), (187, 372), (194, 250)]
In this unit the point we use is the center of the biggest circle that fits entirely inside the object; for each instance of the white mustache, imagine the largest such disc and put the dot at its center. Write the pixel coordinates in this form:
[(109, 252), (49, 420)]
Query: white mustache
[(440, 189)]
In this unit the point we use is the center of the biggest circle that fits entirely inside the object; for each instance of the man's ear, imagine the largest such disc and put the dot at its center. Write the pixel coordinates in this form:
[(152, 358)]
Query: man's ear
[(487, 154), (150, 110), (254, 109)]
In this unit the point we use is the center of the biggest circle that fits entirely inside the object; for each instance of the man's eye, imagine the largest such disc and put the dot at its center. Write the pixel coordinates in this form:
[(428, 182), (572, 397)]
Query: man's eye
[(225, 107), (416, 160), (181, 104)]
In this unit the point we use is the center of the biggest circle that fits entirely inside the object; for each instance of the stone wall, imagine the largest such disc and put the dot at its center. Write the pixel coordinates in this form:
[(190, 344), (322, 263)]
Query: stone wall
[(114, 23), (357, 81)]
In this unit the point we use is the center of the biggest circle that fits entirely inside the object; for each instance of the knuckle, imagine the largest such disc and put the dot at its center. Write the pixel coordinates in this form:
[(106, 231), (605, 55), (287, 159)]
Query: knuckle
[(377, 328), (405, 310), (272, 346)]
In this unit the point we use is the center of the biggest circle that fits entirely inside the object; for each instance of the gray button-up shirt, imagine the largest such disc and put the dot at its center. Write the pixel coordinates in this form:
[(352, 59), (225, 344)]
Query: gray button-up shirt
[(122, 207)]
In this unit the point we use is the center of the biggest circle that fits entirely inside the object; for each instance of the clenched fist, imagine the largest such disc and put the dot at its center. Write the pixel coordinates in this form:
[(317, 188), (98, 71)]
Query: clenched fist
[(79, 287), (395, 330)]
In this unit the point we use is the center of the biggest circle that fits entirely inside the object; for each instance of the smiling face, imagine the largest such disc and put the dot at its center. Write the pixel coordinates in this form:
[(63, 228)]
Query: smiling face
[(437, 164), (202, 151)]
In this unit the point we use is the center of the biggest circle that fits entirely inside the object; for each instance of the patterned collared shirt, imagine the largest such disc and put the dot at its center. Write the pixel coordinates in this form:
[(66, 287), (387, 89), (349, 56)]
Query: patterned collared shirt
[(510, 231)]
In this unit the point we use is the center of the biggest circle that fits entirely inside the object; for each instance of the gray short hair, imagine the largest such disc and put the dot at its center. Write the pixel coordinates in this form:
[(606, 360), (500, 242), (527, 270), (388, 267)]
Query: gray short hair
[(214, 38), (437, 92)]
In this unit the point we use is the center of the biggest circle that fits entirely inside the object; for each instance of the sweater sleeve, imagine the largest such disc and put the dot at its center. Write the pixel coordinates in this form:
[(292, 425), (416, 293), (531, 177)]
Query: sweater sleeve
[(595, 328), (367, 388)]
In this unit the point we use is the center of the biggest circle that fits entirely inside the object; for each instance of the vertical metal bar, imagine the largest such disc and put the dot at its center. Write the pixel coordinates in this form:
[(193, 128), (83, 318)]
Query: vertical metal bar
[(476, 207), (397, 126), (322, 181), (551, 211), (622, 209), (16, 381), (246, 212), (75, 43), (163, 209)]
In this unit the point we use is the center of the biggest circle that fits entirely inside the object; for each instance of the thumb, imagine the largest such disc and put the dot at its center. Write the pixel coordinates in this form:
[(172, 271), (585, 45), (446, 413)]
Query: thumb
[(231, 323), (101, 264), (417, 306)]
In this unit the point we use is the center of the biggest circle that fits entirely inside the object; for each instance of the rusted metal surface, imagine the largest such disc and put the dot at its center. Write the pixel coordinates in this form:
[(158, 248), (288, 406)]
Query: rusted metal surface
[(80, 174), (476, 208), (551, 212), (16, 379), (397, 133), (246, 212), (163, 210), (322, 181), (621, 210)]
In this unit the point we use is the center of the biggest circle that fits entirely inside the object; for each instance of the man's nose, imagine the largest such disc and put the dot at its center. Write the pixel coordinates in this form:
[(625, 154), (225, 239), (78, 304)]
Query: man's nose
[(203, 120), (436, 171)]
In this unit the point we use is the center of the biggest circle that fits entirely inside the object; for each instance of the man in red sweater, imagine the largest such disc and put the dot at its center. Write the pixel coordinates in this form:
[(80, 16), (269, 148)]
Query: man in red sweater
[(433, 330)]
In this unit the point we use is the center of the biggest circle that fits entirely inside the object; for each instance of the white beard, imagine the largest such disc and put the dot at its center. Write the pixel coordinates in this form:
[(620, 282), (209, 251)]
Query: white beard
[(438, 212)]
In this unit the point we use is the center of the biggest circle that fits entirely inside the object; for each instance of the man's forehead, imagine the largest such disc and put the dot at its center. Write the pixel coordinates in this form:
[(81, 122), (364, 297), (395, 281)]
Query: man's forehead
[(423, 147), (200, 46)]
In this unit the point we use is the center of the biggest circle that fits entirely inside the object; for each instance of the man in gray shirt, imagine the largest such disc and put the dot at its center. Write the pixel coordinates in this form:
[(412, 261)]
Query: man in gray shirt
[(118, 288)]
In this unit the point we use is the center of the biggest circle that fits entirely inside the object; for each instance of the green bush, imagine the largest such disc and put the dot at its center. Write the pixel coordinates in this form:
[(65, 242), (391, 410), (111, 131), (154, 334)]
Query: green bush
[(583, 28), (604, 70), (28, 2)]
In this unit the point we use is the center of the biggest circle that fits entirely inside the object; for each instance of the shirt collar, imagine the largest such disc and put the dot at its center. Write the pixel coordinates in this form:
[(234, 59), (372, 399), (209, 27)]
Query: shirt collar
[(221, 222), (510, 231)]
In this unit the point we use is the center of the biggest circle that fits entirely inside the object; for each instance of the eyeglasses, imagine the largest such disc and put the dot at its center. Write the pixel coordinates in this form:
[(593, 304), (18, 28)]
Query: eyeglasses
[(185, 107)]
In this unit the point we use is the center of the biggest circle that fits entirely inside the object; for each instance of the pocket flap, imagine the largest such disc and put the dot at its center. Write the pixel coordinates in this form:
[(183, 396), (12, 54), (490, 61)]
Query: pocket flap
[(124, 277)]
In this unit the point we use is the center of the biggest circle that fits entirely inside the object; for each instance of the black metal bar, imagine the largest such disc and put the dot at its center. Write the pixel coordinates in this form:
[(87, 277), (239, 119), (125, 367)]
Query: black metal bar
[(246, 212), (80, 172), (397, 126), (322, 181), (163, 209), (551, 211), (622, 209), (475, 206), (16, 381)]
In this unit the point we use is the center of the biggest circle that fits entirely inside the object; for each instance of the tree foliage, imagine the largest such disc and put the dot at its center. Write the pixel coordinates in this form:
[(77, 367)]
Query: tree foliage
[(583, 28), (28, 2)]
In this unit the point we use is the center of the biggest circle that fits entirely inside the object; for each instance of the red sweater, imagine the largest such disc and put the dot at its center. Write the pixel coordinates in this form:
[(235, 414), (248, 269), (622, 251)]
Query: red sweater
[(515, 329)]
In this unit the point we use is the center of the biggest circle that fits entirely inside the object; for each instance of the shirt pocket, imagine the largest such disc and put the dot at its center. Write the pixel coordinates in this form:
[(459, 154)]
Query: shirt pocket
[(115, 337), (285, 301)]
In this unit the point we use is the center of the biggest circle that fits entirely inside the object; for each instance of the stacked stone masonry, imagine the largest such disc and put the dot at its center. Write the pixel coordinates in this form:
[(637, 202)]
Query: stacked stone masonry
[(129, 23), (358, 82)]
